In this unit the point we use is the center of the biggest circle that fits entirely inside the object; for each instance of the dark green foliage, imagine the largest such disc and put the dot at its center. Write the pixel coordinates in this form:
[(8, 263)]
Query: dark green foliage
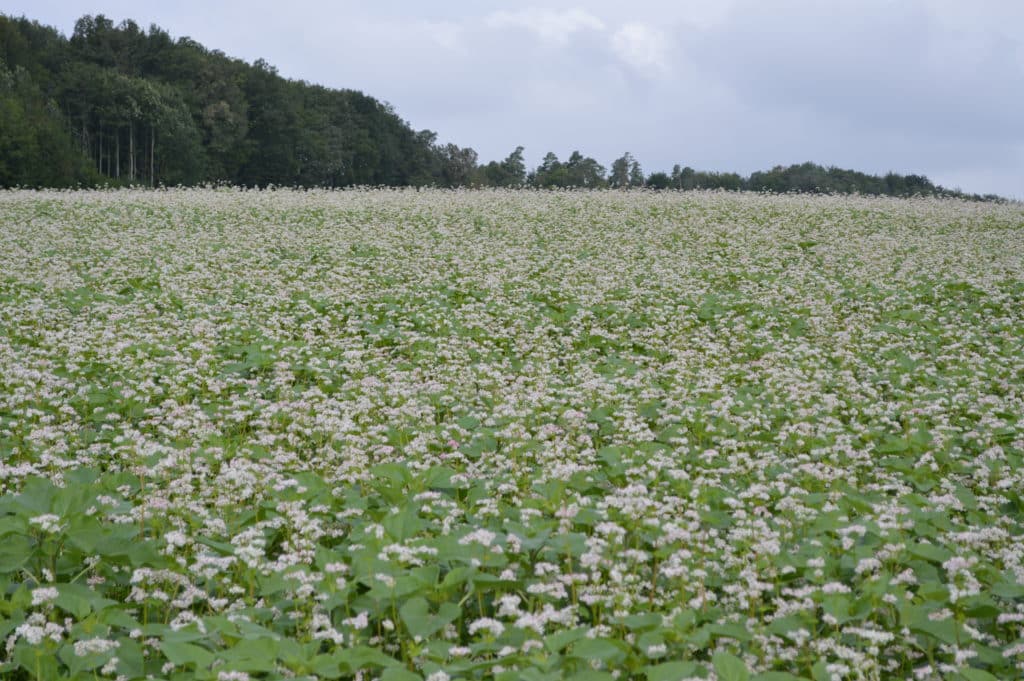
[(116, 104), (688, 178), (626, 172), (659, 181), (810, 177), (509, 173), (578, 171), (35, 148)]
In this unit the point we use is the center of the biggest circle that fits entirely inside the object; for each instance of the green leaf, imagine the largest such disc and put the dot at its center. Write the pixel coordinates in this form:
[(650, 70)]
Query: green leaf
[(222, 548), (777, 676), (186, 653), (113, 540), (252, 655), (1008, 588), (326, 666), (420, 622), (361, 657), (83, 663), (731, 630), (642, 622), (784, 625), (893, 445), (945, 630), (12, 525), (438, 477), (729, 667), (399, 674), (17, 549), (36, 661), (557, 641), (37, 495), (130, 661), (604, 649), (930, 552), (972, 674), (76, 599), (393, 472), (404, 524), (670, 671), (591, 675)]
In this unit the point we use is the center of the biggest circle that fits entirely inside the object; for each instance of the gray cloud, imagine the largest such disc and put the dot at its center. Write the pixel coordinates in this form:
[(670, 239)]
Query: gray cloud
[(931, 86)]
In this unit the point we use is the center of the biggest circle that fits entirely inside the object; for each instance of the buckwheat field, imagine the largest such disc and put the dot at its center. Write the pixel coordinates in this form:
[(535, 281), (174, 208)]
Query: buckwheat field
[(510, 434)]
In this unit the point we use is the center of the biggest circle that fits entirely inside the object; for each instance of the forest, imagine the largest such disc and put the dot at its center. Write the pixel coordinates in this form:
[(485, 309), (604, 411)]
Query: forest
[(117, 105)]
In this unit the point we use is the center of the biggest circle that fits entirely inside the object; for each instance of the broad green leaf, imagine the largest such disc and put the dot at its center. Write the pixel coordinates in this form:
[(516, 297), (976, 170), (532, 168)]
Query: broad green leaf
[(670, 671), (252, 655), (607, 650), (930, 552), (36, 661), (76, 599), (591, 675), (732, 630), (972, 674), (17, 549), (363, 657), (729, 667), (557, 641), (186, 654), (421, 622), (404, 524), (326, 666)]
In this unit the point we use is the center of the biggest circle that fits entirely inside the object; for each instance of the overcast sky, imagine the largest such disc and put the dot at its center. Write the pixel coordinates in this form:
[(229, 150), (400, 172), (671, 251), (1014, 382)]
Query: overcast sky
[(925, 86)]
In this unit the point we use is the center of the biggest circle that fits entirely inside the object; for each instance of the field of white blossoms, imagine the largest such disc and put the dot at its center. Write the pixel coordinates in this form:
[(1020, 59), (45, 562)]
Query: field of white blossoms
[(516, 435)]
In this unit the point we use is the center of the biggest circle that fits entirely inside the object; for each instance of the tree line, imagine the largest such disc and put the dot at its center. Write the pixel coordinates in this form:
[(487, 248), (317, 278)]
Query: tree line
[(119, 105)]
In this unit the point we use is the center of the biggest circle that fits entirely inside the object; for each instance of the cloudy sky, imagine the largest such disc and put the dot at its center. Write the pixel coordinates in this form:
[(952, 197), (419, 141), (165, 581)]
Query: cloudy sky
[(926, 86)]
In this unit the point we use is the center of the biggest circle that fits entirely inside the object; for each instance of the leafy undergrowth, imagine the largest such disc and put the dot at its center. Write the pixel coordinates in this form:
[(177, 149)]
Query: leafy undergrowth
[(516, 435)]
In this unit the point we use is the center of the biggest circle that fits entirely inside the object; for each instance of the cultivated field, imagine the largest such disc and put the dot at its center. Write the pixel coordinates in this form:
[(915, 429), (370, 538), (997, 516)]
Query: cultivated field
[(264, 435)]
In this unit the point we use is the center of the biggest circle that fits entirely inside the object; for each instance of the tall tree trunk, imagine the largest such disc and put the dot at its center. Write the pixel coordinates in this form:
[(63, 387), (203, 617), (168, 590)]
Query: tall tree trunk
[(117, 154), (99, 149), (131, 151), (152, 145)]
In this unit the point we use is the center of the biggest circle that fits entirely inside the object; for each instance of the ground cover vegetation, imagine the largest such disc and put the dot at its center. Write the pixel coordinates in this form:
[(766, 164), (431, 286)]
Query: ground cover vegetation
[(510, 434), (120, 105)]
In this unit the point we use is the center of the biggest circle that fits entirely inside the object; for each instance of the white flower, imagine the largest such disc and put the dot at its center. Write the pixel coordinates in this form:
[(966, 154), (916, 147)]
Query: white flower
[(232, 676), (91, 646), (492, 626), (47, 522), (44, 595)]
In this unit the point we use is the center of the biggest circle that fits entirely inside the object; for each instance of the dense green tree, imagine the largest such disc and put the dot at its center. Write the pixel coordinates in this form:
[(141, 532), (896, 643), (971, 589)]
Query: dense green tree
[(274, 128), (583, 171), (550, 173), (508, 173), (810, 177), (458, 165), (636, 174), (620, 170), (36, 149), (141, 107), (659, 181), (626, 172)]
